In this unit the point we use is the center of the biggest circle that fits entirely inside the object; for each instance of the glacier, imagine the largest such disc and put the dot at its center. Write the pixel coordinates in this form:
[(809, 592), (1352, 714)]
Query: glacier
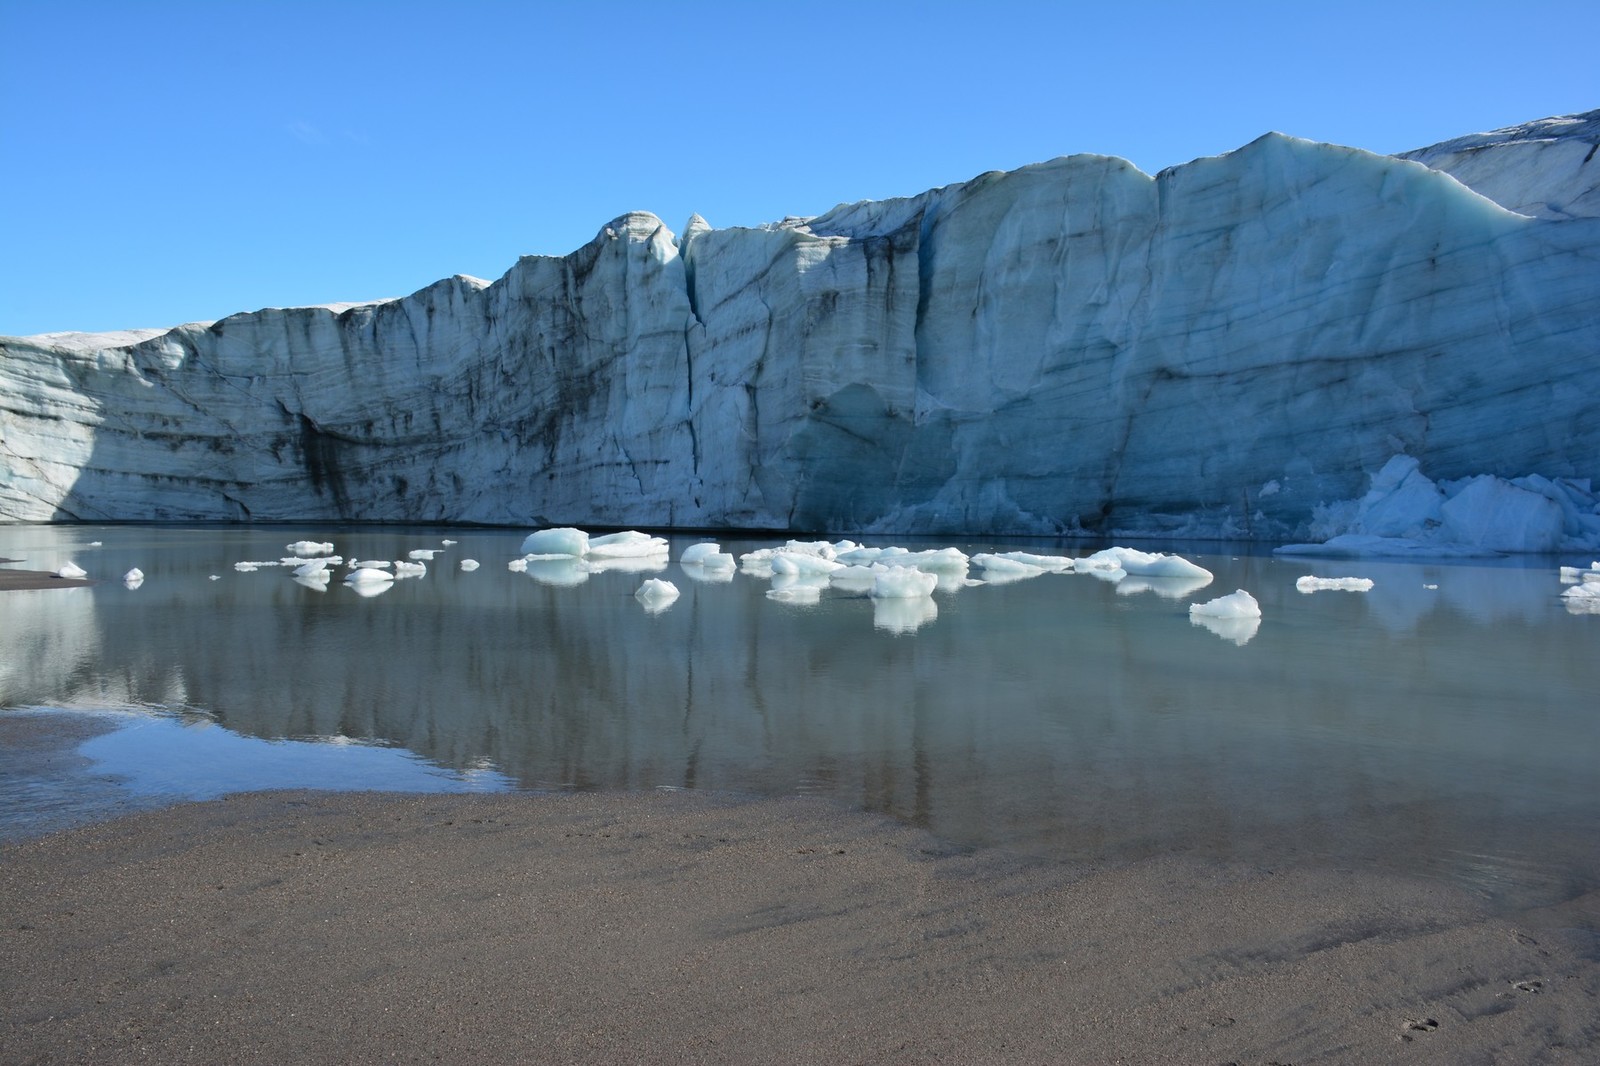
[(1234, 347)]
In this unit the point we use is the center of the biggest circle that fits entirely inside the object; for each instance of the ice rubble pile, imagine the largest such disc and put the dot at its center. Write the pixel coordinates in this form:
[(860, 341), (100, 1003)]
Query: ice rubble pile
[(1407, 514)]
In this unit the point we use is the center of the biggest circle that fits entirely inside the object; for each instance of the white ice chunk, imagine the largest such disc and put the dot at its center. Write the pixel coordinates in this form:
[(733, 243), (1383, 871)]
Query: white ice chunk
[(1582, 599), (447, 542), (370, 564), (854, 578), (310, 547), (1237, 604), (796, 563), (1309, 584), (1491, 513), (214, 577), (517, 565), (246, 567), (562, 541), (1153, 564), (696, 553), (367, 575), (859, 556), (426, 554), (469, 564), (133, 578), (629, 544), (1055, 564), (72, 571), (656, 594), (402, 568), (902, 582)]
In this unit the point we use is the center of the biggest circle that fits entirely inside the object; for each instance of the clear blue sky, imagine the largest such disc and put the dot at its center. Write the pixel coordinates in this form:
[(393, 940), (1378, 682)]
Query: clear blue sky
[(163, 162)]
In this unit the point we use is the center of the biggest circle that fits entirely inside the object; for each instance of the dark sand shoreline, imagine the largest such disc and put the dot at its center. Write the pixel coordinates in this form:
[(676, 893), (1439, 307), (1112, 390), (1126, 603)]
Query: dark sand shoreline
[(15, 580), (679, 927)]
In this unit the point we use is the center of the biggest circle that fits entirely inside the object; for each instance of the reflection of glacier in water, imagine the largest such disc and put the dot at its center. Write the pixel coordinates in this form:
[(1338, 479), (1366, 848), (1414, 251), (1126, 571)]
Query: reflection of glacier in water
[(1443, 721)]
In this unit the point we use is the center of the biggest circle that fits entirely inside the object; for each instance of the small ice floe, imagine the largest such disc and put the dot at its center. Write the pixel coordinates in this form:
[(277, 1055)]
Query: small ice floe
[(855, 578), (425, 554), (369, 581), (72, 572), (247, 567), (1574, 575), (1431, 587), (656, 595), (902, 615), (469, 565), (447, 542), (860, 556), (1148, 564), (311, 568), (798, 564), (402, 568), (707, 555), (370, 564), (133, 578), (1309, 584), (317, 582), (563, 541), (629, 544), (1234, 617), (310, 547), (517, 566), (760, 560), (214, 577), (94, 544), (902, 582)]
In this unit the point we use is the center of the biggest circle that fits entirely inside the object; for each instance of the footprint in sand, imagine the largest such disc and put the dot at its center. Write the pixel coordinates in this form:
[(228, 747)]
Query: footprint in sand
[(1533, 984), (1418, 1025)]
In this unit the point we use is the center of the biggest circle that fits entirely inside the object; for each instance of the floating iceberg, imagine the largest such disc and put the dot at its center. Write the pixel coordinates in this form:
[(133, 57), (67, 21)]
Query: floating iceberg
[(563, 541), (133, 578), (310, 547), (902, 582), (1237, 604), (469, 565), (656, 595), (72, 571)]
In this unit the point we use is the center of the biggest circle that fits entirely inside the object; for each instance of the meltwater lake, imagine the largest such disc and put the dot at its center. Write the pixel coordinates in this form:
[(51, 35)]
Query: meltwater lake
[(1445, 723)]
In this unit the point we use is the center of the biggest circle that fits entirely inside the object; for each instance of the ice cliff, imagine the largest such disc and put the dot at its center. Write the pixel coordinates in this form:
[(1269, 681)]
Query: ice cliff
[(1228, 347)]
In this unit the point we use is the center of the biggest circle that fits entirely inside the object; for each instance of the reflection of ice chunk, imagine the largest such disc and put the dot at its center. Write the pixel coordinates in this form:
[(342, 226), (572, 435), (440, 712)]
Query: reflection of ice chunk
[(1170, 588), (902, 582), (312, 568), (656, 595), (902, 615), (469, 565), (1309, 584), (710, 575), (1582, 599), (369, 589), (853, 578), (562, 573), (1237, 604), (1366, 546), (629, 544), (563, 541), (133, 578), (72, 571), (1237, 630), (319, 581), (310, 547), (627, 564), (798, 592)]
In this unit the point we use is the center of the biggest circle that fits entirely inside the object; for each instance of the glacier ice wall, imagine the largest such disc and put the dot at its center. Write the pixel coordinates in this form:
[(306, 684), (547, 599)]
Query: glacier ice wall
[(1074, 345)]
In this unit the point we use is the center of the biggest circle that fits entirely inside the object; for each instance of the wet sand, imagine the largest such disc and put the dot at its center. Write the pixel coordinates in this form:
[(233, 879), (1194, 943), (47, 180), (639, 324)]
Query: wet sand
[(675, 927), (11, 579)]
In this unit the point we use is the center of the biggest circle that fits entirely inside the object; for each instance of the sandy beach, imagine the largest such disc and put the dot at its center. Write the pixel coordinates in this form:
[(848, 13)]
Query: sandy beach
[(679, 927)]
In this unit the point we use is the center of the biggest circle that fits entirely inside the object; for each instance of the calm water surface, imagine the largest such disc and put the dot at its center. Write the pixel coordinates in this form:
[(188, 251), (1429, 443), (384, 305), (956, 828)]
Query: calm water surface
[(1452, 731)]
